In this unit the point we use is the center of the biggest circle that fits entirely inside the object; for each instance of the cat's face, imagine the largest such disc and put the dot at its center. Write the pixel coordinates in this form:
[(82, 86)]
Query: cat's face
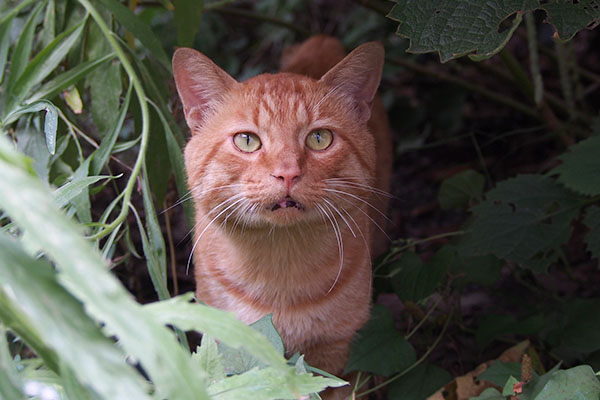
[(277, 149)]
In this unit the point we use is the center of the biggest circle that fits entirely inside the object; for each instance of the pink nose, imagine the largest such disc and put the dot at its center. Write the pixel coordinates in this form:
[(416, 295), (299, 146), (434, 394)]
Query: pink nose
[(288, 177)]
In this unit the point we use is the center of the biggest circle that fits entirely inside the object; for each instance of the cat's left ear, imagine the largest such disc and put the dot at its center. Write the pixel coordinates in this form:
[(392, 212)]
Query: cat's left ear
[(358, 76), (201, 84)]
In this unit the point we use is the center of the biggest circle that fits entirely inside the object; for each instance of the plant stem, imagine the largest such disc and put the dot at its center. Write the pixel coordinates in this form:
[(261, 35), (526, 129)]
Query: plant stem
[(415, 364), (137, 85), (534, 63), (425, 317)]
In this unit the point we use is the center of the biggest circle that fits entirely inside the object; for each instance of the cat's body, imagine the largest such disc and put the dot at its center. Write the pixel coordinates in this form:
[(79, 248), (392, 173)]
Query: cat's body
[(285, 227)]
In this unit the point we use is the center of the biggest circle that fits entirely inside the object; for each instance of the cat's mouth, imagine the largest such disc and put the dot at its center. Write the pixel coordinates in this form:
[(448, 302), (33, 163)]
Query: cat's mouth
[(287, 202)]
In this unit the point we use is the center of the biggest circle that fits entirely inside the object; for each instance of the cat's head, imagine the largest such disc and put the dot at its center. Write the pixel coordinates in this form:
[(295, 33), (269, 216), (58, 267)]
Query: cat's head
[(279, 149)]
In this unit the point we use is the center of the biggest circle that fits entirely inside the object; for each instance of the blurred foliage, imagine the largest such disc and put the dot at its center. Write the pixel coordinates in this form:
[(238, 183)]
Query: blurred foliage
[(91, 148)]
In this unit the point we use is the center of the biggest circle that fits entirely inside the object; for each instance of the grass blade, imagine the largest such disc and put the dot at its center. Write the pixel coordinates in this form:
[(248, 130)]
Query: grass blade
[(10, 382), (42, 65), (50, 122), (68, 78)]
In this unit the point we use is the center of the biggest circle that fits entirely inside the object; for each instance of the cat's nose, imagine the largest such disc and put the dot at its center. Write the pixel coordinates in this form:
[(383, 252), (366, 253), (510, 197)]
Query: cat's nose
[(288, 176)]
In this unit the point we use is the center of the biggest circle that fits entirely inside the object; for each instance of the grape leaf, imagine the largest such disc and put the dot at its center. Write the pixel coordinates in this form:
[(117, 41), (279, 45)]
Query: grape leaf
[(569, 17), (455, 28), (524, 219), (378, 346), (581, 167), (458, 190)]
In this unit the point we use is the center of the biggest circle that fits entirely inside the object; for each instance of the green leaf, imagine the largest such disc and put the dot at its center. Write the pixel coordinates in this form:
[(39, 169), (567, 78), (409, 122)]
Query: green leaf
[(378, 347), (44, 63), (82, 271), (569, 17), (508, 388), (495, 325), (222, 325), (105, 89), (187, 19), (50, 121), (592, 238), (237, 361), (413, 280), (524, 219), (575, 383), (575, 331), (71, 189), (581, 167), (419, 384), (81, 201), (31, 142), (30, 287), (68, 78), (483, 270), (102, 154), (158, 164), (139, 29), (459, 190), (455, 28), (22, 50), (499, 372), (268, 384), (4, 44), (208, 360), (10, 382)]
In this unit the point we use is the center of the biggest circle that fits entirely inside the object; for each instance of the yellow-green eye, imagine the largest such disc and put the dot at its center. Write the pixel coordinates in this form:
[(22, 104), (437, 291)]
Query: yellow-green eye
[(247, 142), (319, 139)]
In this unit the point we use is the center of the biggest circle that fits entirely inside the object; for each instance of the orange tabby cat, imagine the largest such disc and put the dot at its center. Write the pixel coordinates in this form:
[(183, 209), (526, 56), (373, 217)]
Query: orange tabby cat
[(284, 169)]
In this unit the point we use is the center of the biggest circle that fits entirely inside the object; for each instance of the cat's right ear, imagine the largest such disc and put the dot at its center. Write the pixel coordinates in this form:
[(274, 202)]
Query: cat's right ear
[(200, 83)]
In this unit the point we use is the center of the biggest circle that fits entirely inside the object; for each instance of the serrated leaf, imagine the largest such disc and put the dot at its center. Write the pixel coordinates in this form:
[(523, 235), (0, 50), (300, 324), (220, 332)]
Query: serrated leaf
[(569, 17), (483, 270), (237, 361), (592, 238), (269, 384), (208, 360), (378, 347), (419, 383), (499, 372), (455, 28), (413, 280), (524, 219), (459, 190), (581, 167)]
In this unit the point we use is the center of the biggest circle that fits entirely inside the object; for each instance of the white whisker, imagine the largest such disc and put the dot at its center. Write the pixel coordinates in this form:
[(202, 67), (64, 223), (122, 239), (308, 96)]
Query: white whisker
[(339, 238), (359, 199)]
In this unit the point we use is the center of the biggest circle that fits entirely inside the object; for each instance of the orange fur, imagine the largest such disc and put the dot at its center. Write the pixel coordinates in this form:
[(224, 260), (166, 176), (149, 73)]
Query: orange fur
[(308, 264)]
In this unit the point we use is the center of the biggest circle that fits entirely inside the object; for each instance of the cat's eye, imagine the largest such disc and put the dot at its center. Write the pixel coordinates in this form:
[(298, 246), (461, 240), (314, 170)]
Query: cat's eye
[(247, 142), (319, 139)]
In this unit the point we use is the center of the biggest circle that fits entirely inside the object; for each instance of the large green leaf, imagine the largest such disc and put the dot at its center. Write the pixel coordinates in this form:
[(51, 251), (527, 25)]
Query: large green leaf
[(580, 167), (575, 383), (459, 190), (60, 320), (414, 280), (378, 346), (569, 17), (524, 219), (455, 28), (499, 372), (50, 120), (187, 19), (83, 272), (419, 383)]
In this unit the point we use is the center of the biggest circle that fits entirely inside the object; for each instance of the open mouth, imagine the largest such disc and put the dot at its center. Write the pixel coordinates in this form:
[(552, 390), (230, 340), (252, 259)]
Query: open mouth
[(287, 202)]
